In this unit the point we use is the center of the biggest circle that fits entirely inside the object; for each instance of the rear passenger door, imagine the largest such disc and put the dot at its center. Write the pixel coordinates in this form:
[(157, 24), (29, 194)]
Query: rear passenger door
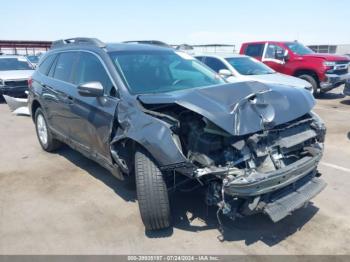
[(92, 117), (255, 50), (57, 88)]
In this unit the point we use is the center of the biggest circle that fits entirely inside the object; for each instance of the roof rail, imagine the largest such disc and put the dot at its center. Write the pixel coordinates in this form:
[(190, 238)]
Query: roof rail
[(78, 41)]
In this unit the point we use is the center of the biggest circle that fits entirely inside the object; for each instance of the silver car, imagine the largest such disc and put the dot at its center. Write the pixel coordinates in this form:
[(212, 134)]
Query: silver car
[(236, 68), (15, 72)]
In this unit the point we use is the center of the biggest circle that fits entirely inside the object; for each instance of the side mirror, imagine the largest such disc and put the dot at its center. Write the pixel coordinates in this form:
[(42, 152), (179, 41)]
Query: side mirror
[(225, 73), (91, 89)]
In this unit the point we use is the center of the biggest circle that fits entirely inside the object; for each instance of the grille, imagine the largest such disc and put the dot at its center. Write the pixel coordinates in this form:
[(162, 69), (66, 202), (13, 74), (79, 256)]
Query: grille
[(340, 72), (341, 62), (14, 83)]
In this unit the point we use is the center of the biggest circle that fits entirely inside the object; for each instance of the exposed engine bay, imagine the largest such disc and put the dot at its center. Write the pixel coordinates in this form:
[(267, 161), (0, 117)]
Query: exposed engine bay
[(248, 174)]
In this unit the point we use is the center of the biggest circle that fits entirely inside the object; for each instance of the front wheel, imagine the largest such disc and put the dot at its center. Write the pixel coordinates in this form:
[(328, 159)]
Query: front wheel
[(46, 140), (152, 193), (315, 90)]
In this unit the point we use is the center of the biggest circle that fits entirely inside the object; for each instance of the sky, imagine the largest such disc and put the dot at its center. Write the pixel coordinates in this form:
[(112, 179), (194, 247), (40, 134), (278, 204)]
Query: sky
[(178, 21)]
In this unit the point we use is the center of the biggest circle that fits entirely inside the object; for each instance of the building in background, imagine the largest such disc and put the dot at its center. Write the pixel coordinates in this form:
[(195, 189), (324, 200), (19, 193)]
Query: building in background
[(331, 49), (13, 47)]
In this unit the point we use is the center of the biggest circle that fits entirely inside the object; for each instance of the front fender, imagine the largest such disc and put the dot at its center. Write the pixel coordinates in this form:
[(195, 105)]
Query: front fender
[(153, 134)]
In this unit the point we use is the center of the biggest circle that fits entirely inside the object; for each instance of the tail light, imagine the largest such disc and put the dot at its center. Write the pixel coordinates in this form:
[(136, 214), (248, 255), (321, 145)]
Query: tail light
[(30, 82)]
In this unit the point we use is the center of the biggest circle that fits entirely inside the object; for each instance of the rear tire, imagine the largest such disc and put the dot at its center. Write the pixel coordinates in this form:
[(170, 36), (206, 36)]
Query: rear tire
[(316, 91), (45, 137), (152, 192)]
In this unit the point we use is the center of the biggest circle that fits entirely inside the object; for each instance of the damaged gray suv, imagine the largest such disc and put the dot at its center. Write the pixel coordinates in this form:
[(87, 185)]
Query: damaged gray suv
[(168, 120)]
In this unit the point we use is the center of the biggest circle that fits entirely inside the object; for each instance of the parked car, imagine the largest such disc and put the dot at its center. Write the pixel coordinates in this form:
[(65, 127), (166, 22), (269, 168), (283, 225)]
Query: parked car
[(162, 116), (33, 59), (323, 71), (14, 74), (235, 68)]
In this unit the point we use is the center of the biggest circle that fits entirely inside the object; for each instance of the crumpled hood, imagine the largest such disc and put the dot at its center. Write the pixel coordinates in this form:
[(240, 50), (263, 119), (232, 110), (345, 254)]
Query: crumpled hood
[(236, 109), (15, 74)]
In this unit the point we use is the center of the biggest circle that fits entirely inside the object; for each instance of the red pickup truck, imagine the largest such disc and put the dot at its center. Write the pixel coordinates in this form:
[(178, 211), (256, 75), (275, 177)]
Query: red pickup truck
[(323, 71)]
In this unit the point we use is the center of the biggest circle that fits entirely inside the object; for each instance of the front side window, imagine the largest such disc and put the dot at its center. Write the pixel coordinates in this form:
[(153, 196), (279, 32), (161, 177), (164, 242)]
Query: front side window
[(249, 66), (162, 71), (90, 69), (214, 64), (299, 49), (255, 50), (14, 63), (274, 52), (64, 66)]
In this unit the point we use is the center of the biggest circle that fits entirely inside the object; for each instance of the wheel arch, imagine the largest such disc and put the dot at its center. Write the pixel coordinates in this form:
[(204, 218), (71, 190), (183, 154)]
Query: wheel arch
[(35, 105), (310, 72)]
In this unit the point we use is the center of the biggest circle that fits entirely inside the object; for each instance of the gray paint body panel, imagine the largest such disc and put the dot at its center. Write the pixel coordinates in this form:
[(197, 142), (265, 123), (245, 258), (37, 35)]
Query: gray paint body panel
[(228, 105)]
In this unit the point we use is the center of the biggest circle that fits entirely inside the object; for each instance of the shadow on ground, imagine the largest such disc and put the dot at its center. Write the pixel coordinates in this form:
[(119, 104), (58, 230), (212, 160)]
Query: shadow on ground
[(125, 189), (330, 96), (190, 213), (345, 102)]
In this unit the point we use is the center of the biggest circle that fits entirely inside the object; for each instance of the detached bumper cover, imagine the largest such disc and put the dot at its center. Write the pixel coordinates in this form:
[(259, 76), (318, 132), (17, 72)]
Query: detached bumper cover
[(282, 207), (334, 81)]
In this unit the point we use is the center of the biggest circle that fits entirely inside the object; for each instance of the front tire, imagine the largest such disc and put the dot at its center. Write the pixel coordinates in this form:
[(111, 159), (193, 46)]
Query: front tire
[(316, 91), (45, 137), (152, 192)]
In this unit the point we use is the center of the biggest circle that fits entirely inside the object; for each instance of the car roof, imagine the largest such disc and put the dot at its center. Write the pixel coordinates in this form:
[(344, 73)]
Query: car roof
[(113, 47), (12, 56), (272, 42), (220, 55)]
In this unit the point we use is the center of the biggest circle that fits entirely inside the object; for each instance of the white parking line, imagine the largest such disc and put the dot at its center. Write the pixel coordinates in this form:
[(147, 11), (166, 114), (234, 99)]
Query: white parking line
[(336, 166)]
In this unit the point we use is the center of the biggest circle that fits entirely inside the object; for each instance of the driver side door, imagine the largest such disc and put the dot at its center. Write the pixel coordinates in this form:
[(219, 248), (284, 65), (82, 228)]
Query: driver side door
[(93, 117), (273, 57)]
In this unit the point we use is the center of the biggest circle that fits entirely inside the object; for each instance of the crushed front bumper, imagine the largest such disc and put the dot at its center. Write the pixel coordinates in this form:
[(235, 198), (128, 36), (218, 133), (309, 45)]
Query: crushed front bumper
[(333, 80), (259, 184)]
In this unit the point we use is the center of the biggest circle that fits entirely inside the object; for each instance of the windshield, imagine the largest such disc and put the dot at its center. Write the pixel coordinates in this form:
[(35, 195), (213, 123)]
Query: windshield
[(299, 49), (162, 71), (249, 66), (17, 63)]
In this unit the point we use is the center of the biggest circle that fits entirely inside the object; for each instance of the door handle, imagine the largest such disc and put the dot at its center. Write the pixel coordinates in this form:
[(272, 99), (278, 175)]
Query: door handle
[(70, 100)]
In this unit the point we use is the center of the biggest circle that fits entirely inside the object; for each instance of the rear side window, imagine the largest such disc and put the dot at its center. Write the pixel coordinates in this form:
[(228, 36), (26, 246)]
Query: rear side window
[(214, 64), (255, 50), (65, 65), (45, 66), (90, 69), (200, 58)]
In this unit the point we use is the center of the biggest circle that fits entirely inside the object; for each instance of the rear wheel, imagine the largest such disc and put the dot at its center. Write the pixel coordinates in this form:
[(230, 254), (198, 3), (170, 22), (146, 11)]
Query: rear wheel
[(46, 140), (152, 192), (315, 90)]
